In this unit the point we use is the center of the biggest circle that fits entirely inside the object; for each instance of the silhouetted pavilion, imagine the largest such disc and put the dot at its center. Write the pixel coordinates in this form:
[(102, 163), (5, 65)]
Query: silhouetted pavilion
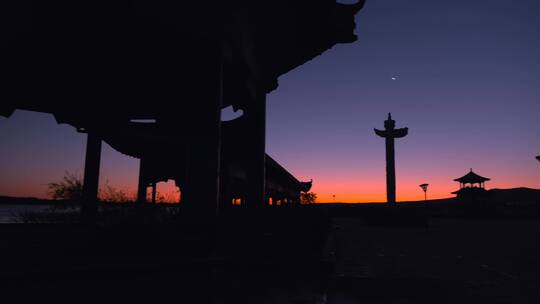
[(470, 183)]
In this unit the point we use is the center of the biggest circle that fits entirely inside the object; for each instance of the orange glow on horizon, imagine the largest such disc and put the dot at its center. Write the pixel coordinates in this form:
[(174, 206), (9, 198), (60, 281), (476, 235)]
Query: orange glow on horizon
[(345, 192), (441, 187)]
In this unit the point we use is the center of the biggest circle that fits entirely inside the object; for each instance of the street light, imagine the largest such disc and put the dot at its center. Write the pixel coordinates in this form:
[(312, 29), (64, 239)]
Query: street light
[(424, 187)]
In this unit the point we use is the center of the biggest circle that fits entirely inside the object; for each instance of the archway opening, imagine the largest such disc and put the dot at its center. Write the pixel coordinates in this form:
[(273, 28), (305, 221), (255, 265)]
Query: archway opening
[(165, 193)]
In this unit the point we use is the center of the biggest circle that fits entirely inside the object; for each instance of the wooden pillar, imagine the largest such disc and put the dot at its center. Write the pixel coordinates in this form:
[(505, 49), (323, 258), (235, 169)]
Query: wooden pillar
[(255, 151), (225, 195), (201, 190), (154, 193), (91, 177), (143, 182)]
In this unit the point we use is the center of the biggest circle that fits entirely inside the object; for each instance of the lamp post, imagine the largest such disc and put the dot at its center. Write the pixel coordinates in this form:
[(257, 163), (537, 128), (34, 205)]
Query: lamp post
[(424, 187)]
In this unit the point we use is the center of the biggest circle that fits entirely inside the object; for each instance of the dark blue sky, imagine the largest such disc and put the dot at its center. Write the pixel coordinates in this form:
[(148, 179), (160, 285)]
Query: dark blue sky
[(467, 85)]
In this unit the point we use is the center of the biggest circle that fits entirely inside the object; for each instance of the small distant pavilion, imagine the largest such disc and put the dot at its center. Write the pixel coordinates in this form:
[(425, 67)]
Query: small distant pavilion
[(471, 182)]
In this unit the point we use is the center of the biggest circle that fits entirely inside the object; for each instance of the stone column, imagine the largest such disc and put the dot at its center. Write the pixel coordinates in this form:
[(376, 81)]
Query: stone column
[(390, 171), (389, 134)]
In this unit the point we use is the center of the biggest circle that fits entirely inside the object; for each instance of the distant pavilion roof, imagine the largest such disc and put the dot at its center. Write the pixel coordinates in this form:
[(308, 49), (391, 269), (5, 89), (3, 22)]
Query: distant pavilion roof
[(471, 177)]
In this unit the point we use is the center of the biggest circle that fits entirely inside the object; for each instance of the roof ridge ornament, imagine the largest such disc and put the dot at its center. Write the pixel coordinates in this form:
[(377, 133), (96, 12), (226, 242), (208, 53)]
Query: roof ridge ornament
[(471, 176), (358, 5), (354, 7)]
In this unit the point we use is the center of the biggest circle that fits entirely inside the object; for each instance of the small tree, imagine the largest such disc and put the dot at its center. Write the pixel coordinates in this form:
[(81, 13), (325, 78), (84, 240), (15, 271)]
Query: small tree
[(113, 195), (69, 188), (308, 197)]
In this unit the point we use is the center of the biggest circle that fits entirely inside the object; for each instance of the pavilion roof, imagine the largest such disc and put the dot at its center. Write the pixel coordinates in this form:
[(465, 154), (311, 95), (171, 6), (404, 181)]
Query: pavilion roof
[(472, 177)]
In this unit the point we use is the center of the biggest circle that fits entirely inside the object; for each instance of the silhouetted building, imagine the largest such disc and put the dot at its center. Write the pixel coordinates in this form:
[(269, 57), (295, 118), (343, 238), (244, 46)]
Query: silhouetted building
[(389, 134), (102, 66), (163, 158), (471, 185)]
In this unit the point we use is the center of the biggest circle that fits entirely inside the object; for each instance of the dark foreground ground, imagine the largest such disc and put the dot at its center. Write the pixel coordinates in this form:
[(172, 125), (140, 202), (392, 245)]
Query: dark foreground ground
[(452, 261), (447, 261)]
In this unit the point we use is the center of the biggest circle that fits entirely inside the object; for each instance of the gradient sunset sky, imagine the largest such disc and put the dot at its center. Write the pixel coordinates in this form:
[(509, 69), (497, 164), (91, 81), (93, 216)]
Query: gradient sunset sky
[(462, 75)]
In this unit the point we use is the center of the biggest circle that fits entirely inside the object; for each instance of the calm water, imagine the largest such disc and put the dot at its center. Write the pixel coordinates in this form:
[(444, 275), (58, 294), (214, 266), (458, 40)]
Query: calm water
[(9, 212)]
